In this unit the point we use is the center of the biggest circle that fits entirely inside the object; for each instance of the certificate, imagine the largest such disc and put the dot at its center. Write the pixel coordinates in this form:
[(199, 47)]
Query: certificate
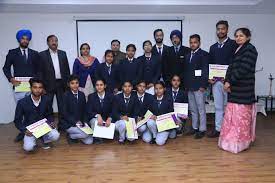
[(104, 131), (39, 128), (217, 71), (131, 129), (166, 122), (24, 86), (147, 116), (86, 129), (181, 108)]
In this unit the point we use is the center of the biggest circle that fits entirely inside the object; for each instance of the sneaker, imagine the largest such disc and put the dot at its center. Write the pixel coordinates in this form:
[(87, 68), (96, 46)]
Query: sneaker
[(71, 141), (46, 146), (19, 137)]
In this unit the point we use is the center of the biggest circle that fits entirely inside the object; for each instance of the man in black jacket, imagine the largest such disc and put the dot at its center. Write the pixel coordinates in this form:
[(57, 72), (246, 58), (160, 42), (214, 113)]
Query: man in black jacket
[(55, 71), (174, 59)]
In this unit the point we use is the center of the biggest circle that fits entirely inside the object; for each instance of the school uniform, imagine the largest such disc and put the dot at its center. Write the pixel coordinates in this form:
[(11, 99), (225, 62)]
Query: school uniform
[(28, 112), (173, 62), (74, 110), (221, 53), (143, 104), (151, 68), (195, 77), (130, 70), (123, 106), (161, 106), (99, 105), (160, 52), (110, 73)]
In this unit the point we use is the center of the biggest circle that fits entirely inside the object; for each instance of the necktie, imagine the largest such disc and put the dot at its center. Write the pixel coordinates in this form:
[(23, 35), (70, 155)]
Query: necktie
[(101, 100), (175, 95), (159, 50), (25, 56), (127, 101), (140, 99), (76, 97), (192, 54), (109, 70), (177, 50), (220, 45), (159, 103), (147, 58)]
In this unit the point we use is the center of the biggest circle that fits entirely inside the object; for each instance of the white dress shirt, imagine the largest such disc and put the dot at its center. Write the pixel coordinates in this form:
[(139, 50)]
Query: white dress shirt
[(36, 103), (26, 51), (55, 60)]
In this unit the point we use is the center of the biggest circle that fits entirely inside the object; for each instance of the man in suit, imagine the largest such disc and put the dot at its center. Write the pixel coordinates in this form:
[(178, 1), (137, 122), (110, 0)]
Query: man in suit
[(159, 49), (31, 109), (196, 82), (55, 71), (174, 59), (25, 64), (118, 55)]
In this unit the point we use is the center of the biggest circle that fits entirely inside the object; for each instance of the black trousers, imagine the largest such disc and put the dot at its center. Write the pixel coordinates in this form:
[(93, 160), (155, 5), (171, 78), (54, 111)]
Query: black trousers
[(58, 92)]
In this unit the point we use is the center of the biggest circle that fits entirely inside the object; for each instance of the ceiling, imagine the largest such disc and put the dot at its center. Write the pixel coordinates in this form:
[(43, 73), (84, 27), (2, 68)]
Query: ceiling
[(140, 6)]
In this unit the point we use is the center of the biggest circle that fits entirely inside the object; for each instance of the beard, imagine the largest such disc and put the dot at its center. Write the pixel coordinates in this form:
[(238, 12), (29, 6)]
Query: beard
[(24, 45), (221, 36), (159, 40)]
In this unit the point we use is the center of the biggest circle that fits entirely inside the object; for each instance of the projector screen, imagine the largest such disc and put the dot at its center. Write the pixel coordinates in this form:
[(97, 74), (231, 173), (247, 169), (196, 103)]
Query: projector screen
[(99, 33)]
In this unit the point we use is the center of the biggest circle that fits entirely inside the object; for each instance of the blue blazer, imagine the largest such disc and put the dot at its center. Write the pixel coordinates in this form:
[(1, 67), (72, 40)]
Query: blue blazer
[(130, 71), (112, 79), (94, 107), (73, 110), (121, 109), (151, 69), (27, 113), (83, 72), (22, 68), (199, 61), (181, 97), (142, 108), (166, 106)]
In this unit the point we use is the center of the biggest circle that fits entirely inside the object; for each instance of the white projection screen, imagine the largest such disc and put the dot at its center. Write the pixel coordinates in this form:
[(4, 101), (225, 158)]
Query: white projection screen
[(100, 33)]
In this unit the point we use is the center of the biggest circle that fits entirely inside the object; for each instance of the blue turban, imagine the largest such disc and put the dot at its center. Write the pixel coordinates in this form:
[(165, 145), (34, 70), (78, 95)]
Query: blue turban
[(23, 32), (176, 33)]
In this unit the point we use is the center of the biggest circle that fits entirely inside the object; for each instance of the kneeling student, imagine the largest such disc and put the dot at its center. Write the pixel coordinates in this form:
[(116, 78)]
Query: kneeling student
[(179, 96), (144, 103), (124, 106), (74, 111), (32, 109), (99, 106), (162, 104)]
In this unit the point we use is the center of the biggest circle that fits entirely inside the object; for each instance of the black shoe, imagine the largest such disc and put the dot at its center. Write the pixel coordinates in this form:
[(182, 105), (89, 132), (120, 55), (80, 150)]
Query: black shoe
[(153, 141), (121, 142), (199, 135), (98, 140), (72, 141), (192, 131), (180, 132), (46, 146), (214, 134), (19, 137)]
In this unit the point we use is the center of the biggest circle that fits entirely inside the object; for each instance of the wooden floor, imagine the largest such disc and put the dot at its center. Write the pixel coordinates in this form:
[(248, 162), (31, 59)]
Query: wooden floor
[(180, 160)]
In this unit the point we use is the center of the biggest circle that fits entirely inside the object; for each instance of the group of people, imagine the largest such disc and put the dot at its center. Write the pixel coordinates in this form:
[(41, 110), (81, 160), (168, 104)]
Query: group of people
[(124, 87)]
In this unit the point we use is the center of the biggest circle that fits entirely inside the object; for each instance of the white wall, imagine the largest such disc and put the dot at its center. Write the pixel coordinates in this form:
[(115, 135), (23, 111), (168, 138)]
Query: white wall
[(63, 25)]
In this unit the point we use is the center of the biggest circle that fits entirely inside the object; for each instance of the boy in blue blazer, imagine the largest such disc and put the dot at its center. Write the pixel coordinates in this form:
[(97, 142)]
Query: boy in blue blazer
[(109, 72), (144, 103), (99, 106), (74, 111), (179, 96), (31, 109), (161, 104), (196, 82), (124, 107)]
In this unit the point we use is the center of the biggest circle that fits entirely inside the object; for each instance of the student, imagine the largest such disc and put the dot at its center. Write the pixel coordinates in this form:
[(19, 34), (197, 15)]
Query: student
[(109, 72), (159, 49), (74, 111), (32, 109), (124, 106), (24, 62), (174, 59), (99, 106), (196, 80), (151, 67), (179, 96), (221, 53), (129, 68), (161, 104), (144, 103)]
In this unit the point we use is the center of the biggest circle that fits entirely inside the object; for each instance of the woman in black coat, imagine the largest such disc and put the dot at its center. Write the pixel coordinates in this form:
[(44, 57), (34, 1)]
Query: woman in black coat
[(238, 128)]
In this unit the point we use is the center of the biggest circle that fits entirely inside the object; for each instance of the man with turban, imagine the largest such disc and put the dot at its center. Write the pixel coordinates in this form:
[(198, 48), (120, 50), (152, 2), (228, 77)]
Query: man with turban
[(25, 63), (174, 59)]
